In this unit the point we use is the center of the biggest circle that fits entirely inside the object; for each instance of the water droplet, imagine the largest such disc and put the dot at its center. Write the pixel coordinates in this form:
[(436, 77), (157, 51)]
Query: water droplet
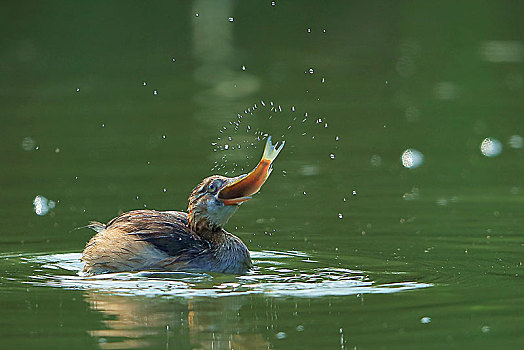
[(411, 158), (28, 144), (243, 67), (337, 138), (164, 189), (273, 3), (196, 15), (281, 335), (173, 59), (309, 30), (231, 19), (340, 216), (57, 150), (491, 147), (164, 137), (155, 92), (376, 160), (311, 71), (323, 80), (332, 156), (42, 205), (516, 141), (226, 146), (425, 320), (354, 192), (144, 83), (78, 90), (305, 193)]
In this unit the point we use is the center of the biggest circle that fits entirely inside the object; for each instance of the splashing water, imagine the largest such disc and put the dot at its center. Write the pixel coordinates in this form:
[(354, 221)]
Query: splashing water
[(275, 274)]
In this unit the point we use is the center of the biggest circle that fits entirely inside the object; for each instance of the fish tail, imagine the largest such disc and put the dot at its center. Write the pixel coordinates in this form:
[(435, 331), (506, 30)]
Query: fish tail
[(271, 151)]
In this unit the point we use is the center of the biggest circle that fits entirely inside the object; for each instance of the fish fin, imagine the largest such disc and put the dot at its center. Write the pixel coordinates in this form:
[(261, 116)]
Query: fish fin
[(271, 151)]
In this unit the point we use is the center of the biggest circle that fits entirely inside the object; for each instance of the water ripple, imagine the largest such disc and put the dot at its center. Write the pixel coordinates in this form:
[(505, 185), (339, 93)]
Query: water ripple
[(276, 274)]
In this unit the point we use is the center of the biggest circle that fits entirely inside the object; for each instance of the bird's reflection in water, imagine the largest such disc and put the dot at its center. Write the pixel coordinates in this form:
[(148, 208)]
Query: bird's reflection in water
[(202, 323)]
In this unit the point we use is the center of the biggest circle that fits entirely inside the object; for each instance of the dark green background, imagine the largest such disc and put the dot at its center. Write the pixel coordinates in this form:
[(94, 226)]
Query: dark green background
[(435, 76)]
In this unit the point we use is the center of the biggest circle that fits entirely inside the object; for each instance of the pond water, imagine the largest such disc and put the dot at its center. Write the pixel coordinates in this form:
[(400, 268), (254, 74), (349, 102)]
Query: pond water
[(393, 217)]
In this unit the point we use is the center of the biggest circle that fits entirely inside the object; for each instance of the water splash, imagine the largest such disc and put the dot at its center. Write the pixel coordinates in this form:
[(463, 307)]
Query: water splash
[(275, 274)]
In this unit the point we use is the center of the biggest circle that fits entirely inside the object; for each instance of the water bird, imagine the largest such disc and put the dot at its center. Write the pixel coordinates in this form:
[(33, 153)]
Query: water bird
[(178, 241)]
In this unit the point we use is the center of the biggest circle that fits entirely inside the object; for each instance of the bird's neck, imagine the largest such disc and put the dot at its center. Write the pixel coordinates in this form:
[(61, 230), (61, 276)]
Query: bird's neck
[(203, 228)]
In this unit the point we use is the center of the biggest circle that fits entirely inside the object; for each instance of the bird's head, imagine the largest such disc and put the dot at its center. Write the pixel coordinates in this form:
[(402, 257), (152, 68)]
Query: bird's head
[(217, 198)]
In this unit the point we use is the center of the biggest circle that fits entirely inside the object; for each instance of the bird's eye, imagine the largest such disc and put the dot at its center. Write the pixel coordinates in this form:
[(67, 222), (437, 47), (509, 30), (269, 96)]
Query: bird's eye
[(212, 188)]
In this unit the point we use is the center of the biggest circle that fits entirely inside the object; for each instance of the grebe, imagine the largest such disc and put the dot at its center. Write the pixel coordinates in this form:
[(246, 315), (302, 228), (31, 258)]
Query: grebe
[(177, 241)]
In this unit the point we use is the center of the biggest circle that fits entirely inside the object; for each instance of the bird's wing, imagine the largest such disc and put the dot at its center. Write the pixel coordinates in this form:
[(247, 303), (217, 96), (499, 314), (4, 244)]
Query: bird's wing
[(166, 231)]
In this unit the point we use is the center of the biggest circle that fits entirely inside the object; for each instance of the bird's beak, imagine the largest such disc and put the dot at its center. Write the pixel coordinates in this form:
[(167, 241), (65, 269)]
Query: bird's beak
[(241, 189)]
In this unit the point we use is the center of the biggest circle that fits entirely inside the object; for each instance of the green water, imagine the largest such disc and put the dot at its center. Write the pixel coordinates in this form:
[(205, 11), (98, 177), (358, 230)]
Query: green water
[(108, 107)]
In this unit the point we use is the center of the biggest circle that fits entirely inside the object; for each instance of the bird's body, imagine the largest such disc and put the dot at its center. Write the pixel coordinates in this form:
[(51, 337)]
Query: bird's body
[(162, 240), (177, 241)]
